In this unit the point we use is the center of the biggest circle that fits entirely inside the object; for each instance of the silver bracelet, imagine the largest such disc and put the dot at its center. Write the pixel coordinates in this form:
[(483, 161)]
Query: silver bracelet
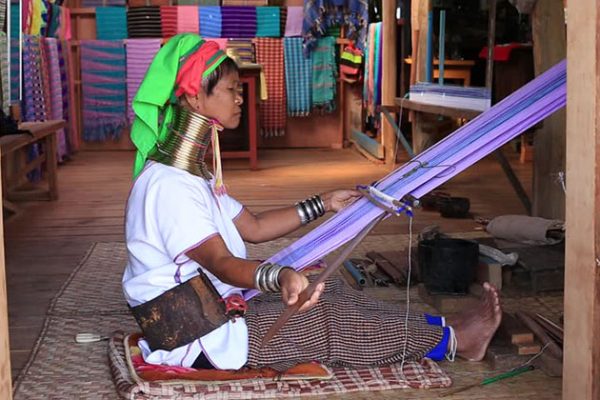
[(310, 209), (266, 277)]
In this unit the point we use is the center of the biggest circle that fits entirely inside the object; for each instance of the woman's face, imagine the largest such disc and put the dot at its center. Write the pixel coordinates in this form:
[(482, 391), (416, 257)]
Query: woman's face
[(224, 103)]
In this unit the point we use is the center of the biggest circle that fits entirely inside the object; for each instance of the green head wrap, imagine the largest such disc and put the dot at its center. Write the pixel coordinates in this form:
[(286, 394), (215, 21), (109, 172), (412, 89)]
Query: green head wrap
[(156, 95)]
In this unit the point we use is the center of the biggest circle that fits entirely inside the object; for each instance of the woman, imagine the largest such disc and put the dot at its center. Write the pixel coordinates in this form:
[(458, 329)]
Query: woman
[(180, 223)]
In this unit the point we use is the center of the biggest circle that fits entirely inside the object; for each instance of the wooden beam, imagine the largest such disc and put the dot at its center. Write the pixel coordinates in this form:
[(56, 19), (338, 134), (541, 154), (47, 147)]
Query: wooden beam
[(419, 11), (5, 372), (549, 47), (581, 374), (388, 89)]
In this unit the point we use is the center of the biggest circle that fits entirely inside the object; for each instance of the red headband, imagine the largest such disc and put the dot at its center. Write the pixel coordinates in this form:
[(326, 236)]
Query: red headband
[(197, 66)]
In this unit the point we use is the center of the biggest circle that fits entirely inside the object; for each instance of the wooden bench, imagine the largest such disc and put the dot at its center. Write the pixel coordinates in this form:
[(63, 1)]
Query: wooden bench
[(13, 181)]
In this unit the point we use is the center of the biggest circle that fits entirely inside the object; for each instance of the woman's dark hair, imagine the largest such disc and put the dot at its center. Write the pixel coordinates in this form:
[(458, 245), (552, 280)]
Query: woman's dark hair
[(226, 67)]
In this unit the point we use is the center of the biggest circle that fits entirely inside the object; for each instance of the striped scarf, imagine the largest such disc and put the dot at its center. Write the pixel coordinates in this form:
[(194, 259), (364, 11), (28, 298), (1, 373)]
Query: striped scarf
[(56, 93), (168, 21), (4, 68), (111, 23), (238, 22), (298, 78), (103, 87), (324, 74), (33, 91), (210, 22), (65, 79), (144, 22), (140, 53), (269, 53), (187, 19), (267, 22)]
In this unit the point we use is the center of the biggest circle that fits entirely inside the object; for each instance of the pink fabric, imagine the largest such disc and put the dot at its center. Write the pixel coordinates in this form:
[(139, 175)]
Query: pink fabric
[(293, 24), (187, 19), (64, 32)]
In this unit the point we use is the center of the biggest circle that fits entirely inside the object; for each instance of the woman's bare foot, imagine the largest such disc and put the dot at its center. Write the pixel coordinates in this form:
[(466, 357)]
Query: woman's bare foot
[(474, 328)]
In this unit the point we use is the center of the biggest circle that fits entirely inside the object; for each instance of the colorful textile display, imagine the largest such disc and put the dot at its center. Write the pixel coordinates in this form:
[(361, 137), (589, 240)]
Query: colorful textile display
[(111, 23), (198, 2), (34, 105), (238, 22), (282, 19), (140, 53), (4, 68), (350, 63), (56, 93), (244, 49), (293, 24), (15, 73), (298, 78), (481, 136), (144, 22), (168, 20), (267, 22), (320, 15), (210, 22), (187, 19), (372, 82), (53, 19), (103, 86), (245, 2), (2, 14), (64, 28), (102, 3), (36, 22), (25, 12), (324, 74), (269, 53), (222, 42), (64, 57)]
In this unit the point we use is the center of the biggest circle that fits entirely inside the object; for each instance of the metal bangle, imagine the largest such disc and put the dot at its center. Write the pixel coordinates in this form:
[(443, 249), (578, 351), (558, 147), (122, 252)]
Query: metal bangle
[(262, 283), (313, 205), (308, 210), (301, 214), (272, 283), (320, 203), (257, 274)]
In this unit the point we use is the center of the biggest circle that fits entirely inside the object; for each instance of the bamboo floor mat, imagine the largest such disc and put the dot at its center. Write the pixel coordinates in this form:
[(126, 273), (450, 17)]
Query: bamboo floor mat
[(92, 301)]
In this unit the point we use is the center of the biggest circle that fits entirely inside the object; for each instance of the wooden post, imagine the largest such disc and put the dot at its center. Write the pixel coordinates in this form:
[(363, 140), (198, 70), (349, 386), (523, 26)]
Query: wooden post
[(419, 11), (549, 47), (581, 373), (5, 372), (388, 89)]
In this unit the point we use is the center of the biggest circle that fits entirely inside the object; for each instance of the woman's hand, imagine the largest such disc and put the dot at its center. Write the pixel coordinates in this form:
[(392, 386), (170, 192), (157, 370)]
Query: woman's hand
[(338, 199), (292, 284)]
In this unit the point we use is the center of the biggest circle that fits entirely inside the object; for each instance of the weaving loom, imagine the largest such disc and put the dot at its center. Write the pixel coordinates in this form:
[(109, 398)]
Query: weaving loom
[(489, 131)]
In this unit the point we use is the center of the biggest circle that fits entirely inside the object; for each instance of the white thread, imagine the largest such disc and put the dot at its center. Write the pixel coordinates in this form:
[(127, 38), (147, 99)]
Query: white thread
[(410, 221), (451, 355), (398, 133), (561, 179)]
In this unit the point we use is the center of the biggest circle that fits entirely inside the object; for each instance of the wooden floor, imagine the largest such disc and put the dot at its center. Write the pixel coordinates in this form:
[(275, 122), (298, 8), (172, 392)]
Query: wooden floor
[(46, 242)]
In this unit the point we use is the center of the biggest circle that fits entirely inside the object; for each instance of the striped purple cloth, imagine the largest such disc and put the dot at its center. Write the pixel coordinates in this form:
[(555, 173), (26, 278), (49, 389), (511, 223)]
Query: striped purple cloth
[(104, 91), (140, 53), (238, 22), (63, 48), (56, 93), (33, 92)]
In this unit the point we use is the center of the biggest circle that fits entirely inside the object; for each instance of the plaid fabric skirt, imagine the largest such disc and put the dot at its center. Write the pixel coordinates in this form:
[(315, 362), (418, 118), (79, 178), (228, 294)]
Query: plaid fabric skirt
[(345, 328)]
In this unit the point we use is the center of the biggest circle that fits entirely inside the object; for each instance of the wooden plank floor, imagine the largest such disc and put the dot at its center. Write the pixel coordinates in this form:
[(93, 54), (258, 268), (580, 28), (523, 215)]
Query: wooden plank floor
[(46, 242)]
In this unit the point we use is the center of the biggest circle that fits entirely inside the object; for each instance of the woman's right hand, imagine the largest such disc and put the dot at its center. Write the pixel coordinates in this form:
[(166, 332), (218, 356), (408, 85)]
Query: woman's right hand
[(292, 284)]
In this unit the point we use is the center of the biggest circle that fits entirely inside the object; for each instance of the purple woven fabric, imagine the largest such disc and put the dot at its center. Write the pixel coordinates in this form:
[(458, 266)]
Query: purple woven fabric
[(56, 93), (140, 53), (238, 22), (489, 131)]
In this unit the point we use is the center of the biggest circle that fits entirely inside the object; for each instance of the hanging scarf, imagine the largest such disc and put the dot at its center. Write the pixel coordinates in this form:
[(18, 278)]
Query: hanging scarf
[(175, 70), (140, 53)]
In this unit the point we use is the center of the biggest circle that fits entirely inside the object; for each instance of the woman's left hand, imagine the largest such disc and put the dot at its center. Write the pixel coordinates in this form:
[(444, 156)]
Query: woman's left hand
[(338, 199)]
